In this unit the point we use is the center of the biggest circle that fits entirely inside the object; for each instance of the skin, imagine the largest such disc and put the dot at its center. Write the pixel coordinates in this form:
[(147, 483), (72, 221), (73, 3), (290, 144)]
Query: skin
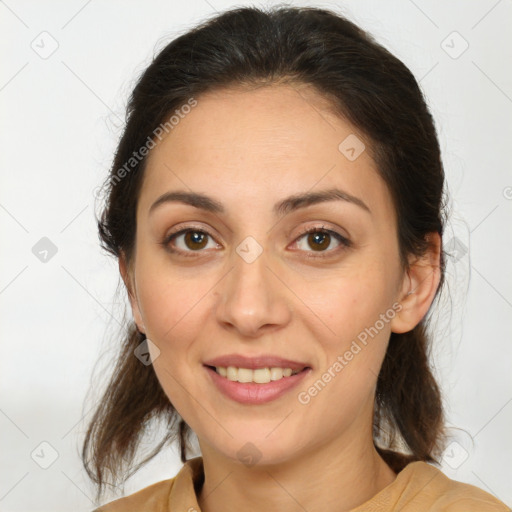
[(250, 149)]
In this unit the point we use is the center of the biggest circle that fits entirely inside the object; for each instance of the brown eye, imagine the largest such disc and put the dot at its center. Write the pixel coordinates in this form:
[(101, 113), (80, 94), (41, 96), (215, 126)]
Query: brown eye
[(188, 241), (195, 240), (319, 240)]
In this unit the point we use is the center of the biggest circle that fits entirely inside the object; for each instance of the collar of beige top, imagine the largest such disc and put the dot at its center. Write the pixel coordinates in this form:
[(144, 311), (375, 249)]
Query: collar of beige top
[(419, 487)]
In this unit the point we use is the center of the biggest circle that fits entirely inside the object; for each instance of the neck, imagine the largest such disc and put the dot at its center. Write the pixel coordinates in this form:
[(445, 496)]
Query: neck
[(335, 477)]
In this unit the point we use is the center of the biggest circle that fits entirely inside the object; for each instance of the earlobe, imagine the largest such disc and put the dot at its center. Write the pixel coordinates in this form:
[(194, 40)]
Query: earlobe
[(419, 287), (132, 295)]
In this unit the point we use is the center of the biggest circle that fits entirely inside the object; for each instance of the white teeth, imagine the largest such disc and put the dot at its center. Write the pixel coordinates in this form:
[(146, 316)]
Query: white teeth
[(244, 375), (276, 373), (232, 373), (259, 375)]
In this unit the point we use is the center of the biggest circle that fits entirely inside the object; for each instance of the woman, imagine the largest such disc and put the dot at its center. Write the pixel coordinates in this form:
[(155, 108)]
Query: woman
[(276, 208)]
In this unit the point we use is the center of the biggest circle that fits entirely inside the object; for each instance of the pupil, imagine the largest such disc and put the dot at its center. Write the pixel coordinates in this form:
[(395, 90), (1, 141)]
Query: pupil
[(195, 237), (316, 236)]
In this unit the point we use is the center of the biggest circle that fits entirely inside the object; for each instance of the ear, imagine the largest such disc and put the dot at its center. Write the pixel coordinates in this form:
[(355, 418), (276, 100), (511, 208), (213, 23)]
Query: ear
[(126, 274), (419, 287)]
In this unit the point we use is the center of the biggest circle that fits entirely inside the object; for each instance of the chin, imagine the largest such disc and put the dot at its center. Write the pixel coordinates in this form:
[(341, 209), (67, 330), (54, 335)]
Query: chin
[(258, 450)]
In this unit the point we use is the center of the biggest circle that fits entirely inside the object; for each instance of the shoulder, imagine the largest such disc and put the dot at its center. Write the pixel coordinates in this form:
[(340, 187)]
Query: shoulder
[(154, 498), (429, 487), (176, 493)]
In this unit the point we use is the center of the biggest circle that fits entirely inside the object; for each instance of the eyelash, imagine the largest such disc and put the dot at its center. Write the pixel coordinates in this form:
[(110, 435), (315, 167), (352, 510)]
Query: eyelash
[(345, 243)]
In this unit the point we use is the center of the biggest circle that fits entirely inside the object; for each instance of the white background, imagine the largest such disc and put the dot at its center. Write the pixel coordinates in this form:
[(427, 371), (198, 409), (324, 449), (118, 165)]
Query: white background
[(61, 118)]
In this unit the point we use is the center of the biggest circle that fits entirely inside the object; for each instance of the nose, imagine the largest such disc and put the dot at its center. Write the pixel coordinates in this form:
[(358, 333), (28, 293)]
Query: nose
[(252, 299)]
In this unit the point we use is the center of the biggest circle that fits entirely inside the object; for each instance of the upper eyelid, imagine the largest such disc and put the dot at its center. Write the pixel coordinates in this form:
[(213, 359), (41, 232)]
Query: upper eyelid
[(305, 231), (183, 230)]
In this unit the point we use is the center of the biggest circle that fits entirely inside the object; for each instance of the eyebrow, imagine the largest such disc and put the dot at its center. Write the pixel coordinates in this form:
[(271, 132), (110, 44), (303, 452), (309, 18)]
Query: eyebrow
[(281, 208)]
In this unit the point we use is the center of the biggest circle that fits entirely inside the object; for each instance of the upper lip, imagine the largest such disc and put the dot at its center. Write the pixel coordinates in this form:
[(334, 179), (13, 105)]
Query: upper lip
[(262, 361)]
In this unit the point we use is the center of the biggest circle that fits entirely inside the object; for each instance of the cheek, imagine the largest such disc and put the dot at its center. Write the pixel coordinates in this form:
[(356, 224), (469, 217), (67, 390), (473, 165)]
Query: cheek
[(173, 312), (349, 302), (358, 317), (357, 309), (170, 299)]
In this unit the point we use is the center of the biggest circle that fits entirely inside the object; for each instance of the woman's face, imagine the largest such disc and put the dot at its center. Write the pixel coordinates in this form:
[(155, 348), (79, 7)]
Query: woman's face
[(245, 282)]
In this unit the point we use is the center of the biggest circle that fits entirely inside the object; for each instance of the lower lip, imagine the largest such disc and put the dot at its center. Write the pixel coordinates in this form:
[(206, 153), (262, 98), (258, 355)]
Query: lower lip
[(253, 393)]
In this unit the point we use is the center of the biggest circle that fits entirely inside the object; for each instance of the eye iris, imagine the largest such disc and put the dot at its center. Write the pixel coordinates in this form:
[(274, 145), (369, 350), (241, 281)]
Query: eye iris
[(319, 239), (195, 237)]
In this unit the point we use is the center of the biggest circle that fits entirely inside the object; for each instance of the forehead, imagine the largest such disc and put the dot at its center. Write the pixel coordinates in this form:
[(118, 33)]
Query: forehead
[(259, 145)]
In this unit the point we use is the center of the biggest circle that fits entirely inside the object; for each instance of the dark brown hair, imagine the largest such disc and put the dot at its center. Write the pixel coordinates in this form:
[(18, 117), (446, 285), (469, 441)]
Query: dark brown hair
[(370, 88)]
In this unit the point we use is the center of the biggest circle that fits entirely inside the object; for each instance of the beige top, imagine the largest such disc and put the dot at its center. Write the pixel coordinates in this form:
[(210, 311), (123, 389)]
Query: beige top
[(418, 487)]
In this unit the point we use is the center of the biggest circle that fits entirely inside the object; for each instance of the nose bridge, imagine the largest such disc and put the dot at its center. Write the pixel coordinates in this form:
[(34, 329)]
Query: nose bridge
[(251, 295)]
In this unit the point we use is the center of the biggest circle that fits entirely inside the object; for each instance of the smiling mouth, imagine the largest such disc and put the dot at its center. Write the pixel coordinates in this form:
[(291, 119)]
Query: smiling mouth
[(255, 375)]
